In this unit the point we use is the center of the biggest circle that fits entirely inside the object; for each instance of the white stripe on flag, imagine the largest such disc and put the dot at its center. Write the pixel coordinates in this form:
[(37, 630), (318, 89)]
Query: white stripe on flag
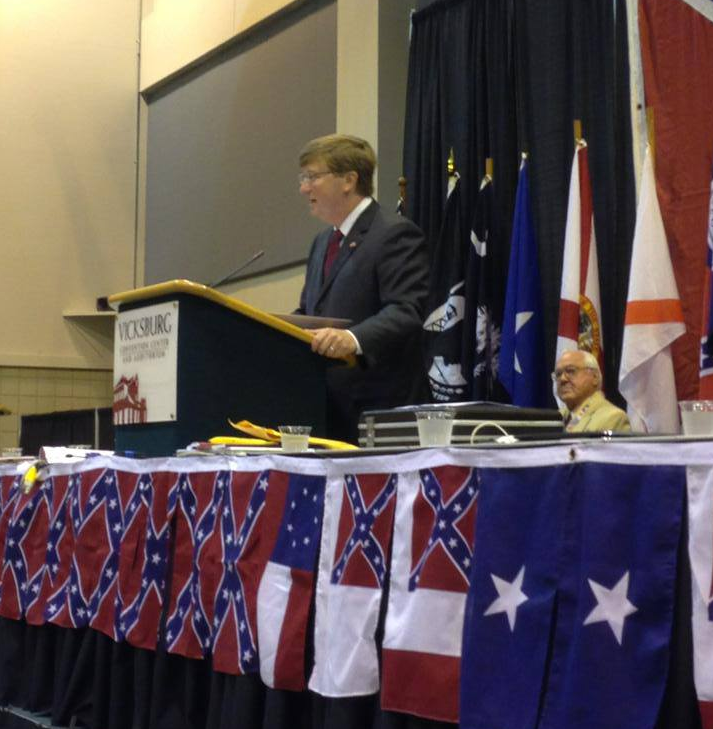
[(425, 620), (653, 320), (272, 598), (700, 551), (345, 658)]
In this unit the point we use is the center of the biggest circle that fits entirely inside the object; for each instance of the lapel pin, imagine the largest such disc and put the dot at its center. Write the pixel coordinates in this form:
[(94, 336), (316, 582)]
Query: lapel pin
[(353, 244)]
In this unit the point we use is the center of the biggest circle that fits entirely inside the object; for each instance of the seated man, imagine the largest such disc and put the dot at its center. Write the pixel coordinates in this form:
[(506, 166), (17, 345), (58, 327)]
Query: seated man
[(579, 386), (370, 267)]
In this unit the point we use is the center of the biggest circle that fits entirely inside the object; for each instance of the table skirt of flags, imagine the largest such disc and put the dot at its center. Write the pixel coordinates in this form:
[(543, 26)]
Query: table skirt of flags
[(547, 587)]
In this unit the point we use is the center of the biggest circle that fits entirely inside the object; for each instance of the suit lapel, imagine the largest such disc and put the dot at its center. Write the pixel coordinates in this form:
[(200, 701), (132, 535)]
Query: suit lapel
[(314, 271), (349, 245), (591, 405)]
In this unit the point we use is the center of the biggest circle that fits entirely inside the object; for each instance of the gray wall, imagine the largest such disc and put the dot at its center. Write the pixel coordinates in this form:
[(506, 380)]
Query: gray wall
[(394, 25), (223, 142)]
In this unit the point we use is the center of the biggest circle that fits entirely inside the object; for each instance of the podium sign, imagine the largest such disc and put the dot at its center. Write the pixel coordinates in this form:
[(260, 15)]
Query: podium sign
[(227, 360), (146, 364)]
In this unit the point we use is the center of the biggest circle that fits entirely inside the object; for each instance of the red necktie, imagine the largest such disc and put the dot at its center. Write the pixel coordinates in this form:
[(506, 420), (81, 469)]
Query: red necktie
[(332, 249)]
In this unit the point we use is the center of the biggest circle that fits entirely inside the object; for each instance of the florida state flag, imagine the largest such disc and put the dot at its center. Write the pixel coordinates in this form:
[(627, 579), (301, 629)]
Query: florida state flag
[(580, 314)]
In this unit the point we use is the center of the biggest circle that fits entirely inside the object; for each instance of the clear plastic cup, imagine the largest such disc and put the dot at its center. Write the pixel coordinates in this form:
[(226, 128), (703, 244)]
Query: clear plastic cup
[(294, 438), (697, 417), (435, 427)]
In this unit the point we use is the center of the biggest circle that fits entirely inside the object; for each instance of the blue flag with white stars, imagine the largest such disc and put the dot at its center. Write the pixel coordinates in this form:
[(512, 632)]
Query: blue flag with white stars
[(522, 368), (512, 595), (569, 614)]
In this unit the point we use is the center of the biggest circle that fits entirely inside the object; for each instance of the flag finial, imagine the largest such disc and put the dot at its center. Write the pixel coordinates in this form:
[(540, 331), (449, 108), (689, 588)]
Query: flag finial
[(451, 163), (401, 205)]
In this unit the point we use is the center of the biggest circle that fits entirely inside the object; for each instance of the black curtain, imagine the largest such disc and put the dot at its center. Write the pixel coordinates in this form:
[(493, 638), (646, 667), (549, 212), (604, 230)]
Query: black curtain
[(493, 78), (461, 96), (83, 676), (65, 427), (445, 109)]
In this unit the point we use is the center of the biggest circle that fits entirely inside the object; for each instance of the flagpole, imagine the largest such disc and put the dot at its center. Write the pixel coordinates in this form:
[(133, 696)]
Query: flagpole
[(651, 133), (402, 195), (636, 91)]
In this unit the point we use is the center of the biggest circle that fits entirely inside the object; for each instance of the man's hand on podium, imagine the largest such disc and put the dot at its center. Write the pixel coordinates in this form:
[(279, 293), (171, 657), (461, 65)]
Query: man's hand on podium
[(334, 343)]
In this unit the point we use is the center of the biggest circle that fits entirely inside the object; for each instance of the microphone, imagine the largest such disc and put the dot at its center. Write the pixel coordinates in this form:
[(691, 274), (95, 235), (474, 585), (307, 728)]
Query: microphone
[(241, 267)]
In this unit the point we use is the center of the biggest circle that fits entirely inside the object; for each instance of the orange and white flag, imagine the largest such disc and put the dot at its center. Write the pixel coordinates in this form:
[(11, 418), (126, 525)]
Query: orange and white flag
[(580, 313), (653, 321)]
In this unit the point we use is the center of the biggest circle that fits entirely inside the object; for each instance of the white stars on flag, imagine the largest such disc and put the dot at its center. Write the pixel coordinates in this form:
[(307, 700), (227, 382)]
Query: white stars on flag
[(510, 597), (612, 606), (521, 318)]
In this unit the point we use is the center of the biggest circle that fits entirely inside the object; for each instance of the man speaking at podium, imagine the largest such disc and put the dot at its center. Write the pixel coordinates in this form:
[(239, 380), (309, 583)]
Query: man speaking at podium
[(369, 267)]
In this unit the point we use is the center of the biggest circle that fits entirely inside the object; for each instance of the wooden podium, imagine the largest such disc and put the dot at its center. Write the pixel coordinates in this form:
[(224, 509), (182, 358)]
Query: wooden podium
[(233, 361)]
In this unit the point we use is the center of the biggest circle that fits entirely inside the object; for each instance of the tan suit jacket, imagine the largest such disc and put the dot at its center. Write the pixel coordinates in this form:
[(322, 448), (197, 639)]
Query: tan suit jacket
[(595, 414)]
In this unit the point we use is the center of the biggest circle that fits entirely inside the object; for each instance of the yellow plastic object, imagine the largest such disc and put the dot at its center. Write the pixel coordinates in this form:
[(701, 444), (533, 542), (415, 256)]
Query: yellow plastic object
[(274, 436), (332, 445), (231, 440), (28, 480), (257, 431), (33, 475)]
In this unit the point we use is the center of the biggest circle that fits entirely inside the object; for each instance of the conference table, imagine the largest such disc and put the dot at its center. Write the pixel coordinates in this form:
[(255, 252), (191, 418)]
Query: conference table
[(545, 584)]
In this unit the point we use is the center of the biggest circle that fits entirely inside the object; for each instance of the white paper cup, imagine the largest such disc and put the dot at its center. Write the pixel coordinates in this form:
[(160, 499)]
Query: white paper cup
[(435, 427), (697, 417), (294, 438)]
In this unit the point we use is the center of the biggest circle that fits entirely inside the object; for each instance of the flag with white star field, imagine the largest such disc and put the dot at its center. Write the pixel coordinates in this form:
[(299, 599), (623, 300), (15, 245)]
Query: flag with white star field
[(430, 571), (571, 599)]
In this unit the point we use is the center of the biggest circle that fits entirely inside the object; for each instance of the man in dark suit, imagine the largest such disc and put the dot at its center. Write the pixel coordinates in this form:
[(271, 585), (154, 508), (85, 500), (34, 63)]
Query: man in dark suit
[(369, 267)]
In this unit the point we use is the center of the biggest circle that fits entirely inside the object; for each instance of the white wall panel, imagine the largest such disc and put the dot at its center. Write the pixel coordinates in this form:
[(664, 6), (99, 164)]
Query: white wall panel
[(68, 94), (177, 32)]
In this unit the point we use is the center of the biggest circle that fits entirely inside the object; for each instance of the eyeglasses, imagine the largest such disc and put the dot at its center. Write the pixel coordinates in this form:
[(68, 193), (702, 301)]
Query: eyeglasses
[(311, 176), (570, 371)]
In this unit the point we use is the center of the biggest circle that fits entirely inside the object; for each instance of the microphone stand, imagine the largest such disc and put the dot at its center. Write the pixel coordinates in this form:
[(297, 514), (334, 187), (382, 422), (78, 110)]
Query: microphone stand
[(240, 268)]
